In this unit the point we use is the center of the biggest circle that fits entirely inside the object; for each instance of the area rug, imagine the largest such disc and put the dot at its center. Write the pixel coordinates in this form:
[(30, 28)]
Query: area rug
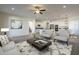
[(55, 49)]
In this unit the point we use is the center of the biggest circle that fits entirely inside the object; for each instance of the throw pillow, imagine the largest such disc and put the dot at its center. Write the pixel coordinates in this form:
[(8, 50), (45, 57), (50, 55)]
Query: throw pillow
[(4, 40)]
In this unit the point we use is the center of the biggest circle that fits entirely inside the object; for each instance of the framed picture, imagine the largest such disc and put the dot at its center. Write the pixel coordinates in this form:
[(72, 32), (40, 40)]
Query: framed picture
[(56, 27), (16, 24), (51, 26)]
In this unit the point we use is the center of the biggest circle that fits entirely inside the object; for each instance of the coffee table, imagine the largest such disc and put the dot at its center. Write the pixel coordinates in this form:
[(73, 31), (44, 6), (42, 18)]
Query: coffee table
[(40, 44)]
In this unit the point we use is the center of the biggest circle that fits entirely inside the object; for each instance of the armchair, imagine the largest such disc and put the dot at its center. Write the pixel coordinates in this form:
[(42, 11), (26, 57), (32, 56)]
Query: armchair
[(62, 35)]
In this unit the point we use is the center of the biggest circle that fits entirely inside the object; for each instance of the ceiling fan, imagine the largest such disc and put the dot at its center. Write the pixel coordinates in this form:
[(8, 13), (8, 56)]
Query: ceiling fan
[(38, 10)]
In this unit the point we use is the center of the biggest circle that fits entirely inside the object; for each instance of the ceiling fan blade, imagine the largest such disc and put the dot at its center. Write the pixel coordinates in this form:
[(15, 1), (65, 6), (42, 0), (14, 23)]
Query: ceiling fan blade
[(43, 10), (41, 13), (34, 12)]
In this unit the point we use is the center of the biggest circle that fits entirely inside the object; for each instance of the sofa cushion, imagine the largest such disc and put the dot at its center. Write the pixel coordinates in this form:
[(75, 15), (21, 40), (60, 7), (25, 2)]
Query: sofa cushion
[(46, 33), (62, 38), (63, 32)]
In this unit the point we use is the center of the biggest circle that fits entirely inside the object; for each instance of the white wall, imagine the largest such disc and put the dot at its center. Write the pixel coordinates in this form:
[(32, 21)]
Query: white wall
[(59, 22), (19, 32), (74, 25), (5, 21), (42, 24), (62, 22)]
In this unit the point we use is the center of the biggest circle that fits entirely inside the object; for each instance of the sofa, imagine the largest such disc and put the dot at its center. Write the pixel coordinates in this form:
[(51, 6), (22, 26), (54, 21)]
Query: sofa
[(47, 34), (62, 35)]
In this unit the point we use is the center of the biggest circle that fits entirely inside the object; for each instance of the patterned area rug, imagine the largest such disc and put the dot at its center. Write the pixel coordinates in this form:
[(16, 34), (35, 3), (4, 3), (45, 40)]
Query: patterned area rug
[(55, 49)]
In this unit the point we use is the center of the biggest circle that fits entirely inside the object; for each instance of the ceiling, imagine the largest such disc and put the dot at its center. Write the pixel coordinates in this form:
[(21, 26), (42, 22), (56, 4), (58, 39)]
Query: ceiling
[(52, 10)]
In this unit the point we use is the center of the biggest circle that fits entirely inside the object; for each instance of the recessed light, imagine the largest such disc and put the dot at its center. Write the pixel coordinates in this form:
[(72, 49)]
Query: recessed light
[(13, 9), (64, 6)]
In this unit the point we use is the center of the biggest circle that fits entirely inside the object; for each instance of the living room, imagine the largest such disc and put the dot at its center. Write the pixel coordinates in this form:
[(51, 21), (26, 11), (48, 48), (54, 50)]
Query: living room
[(53, 24)]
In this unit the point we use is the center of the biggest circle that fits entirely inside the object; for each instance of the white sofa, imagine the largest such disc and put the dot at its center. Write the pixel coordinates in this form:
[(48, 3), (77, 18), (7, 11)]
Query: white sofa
[(46, 33), (62, 35), (8, 47)]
